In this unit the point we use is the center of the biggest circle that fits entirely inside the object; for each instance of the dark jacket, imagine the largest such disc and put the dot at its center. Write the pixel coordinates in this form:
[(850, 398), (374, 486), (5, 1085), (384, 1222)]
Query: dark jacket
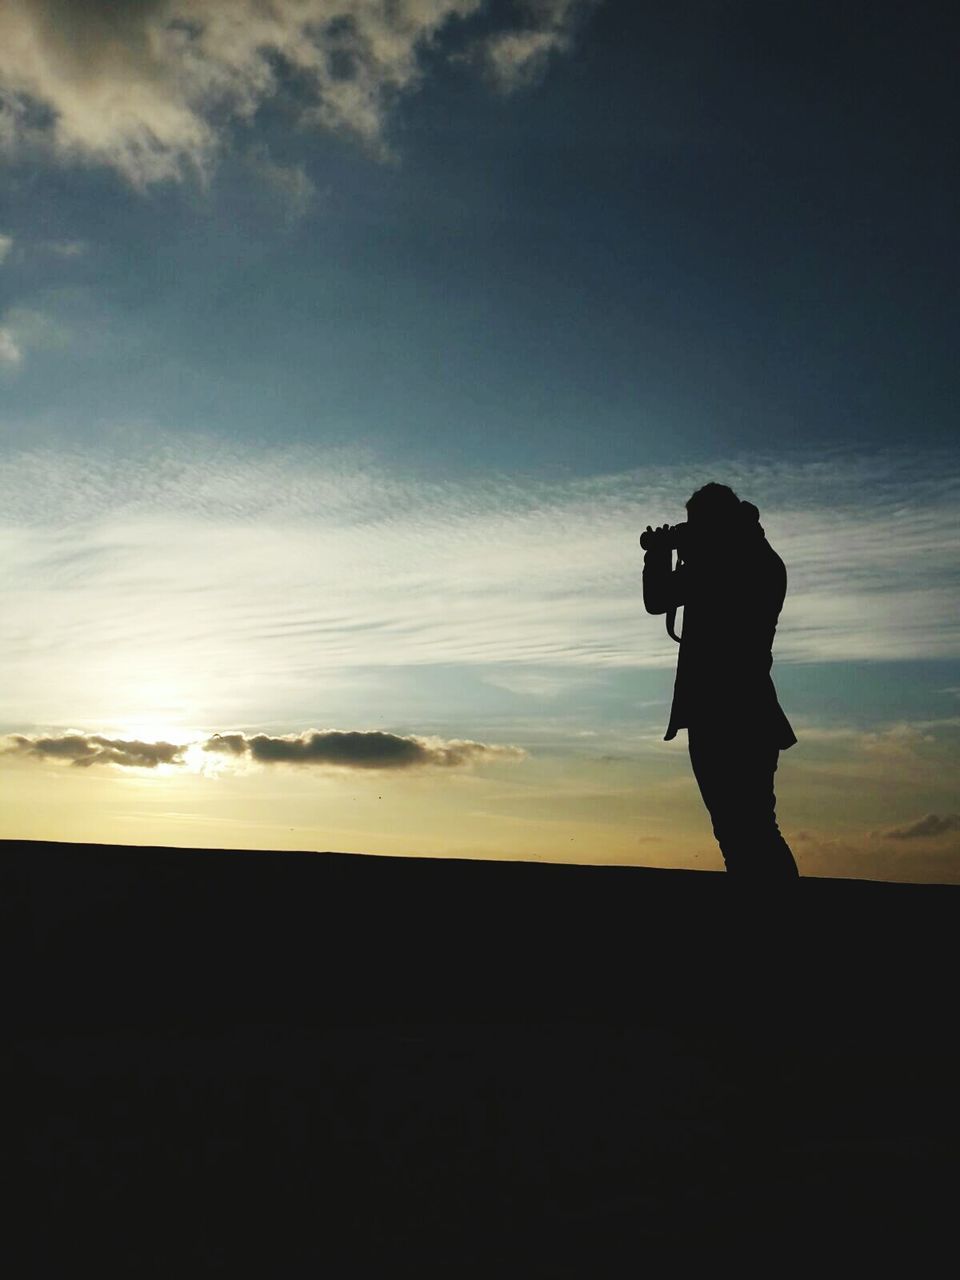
[(731, 592)]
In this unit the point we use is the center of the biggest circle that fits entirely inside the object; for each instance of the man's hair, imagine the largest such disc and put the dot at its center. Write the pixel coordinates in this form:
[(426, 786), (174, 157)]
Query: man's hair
[(714, 500)]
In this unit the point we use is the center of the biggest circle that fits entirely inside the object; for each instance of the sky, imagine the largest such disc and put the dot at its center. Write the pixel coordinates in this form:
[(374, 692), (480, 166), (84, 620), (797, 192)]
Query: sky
[(347, 347)]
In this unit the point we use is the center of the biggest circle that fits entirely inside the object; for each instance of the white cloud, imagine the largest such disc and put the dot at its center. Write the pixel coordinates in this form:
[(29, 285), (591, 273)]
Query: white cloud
[(11, 354), (237, 584), (6, 244), (149, 88), (143, 87)]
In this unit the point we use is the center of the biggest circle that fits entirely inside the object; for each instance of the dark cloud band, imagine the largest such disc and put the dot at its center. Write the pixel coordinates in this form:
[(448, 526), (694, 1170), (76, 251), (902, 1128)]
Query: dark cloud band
[(84, 750), (333, 748), (358, 750), (931, 824)]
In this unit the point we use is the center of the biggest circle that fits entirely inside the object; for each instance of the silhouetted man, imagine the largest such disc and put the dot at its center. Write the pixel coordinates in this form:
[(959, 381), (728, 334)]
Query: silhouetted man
[(731, 585)]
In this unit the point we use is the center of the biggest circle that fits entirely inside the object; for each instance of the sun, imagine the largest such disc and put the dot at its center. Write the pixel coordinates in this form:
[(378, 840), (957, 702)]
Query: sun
[(209, 763)]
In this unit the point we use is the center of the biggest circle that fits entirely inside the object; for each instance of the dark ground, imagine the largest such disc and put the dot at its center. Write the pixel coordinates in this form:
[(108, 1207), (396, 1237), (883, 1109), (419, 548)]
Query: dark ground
[(294, 1065)]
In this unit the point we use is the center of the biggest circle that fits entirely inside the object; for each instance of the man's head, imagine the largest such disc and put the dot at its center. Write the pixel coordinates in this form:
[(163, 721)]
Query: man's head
[(713, 508)]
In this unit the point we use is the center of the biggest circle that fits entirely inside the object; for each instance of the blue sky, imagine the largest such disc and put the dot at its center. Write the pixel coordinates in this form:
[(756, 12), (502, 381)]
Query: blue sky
[(346, 348)]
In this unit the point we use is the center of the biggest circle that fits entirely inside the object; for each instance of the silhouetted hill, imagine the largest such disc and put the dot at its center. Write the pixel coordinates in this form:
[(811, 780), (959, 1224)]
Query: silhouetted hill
[(115, 935), (283, 1063)]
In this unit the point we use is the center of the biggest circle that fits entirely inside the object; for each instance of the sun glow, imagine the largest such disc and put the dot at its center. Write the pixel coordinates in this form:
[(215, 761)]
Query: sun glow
[(209, 763)]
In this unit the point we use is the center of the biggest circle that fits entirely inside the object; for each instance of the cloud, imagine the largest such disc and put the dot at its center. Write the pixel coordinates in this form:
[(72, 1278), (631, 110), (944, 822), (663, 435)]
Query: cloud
[(290, 184), (900, 739), (871, 857), (233, 744), (65, 248), (518, 58), (60, 248), (359, 750), (146, 88), (153, 88), (24, 329), (931, 824), (331, 748), (11, 354), (900, 743), (84, 750), (258, 582), (538, 684)]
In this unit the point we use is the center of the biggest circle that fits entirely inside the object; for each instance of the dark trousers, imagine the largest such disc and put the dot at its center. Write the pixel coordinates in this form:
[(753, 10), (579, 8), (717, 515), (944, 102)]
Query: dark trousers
[(735, 777)]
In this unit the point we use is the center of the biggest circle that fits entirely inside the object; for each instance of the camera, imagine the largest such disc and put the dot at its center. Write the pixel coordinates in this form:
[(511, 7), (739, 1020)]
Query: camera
[(673, 537)]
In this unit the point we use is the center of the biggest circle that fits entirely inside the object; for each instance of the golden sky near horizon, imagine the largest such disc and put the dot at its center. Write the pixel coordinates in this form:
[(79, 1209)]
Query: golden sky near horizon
[(641, 809)]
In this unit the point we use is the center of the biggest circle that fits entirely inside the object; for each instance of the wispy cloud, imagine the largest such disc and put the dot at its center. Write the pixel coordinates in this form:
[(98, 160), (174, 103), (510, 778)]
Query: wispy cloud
[(902, 738), (519, 57), (152, 89), (6, 244), (11, 353), (289, 184), (873, 856), (25, 329), (538, 684), (931, 824), (65, 248), (205, 568)]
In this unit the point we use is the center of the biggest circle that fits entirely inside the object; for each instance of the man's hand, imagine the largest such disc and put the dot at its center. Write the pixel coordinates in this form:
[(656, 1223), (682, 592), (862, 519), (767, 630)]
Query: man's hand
[(653, 539)]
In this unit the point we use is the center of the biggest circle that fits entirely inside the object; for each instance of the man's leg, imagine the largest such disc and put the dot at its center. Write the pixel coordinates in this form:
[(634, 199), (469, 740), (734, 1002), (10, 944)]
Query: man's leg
[(736, 777)]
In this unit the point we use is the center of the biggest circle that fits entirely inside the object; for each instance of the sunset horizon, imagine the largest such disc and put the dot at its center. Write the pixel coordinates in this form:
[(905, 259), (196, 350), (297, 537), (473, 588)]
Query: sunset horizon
[(347, 350)]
